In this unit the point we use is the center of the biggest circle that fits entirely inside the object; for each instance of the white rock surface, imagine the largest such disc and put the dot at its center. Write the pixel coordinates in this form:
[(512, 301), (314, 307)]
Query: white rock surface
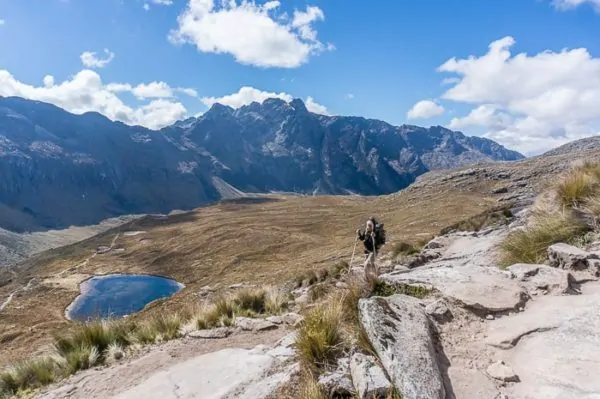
[(543, 278), (228, 373), (500, 371), (368, 377), (554, 347), (478, 287), (398, 329), (470, 383)]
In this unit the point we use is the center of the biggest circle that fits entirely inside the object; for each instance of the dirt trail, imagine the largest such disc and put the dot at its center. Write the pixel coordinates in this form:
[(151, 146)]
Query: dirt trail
[(108, 382)]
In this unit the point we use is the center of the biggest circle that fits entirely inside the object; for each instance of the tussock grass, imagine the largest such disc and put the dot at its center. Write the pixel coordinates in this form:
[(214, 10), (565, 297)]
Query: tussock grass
[(311, 277), (28, 374), (403, 248), (530, 244), (309, 387), (575, 187), (276, 300), (81, 358), (492, 217), (319, 338)]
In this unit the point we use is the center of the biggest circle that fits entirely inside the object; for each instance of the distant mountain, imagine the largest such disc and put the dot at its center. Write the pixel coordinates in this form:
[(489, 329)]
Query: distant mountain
[(58, 169)]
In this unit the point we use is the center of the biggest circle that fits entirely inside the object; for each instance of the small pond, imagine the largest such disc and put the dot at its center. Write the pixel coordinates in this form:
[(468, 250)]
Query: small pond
[(117, 295)]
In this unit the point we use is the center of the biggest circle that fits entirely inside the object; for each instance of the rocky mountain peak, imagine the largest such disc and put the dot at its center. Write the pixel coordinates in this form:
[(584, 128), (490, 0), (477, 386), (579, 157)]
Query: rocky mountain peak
[(106, 169)]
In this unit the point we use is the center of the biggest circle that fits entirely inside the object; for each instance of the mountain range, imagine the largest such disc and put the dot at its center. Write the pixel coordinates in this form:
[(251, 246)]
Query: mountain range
[(59, 169)]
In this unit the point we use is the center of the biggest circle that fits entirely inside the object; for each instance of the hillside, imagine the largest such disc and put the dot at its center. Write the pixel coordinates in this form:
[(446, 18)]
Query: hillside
[(59, 169), (260, 240)]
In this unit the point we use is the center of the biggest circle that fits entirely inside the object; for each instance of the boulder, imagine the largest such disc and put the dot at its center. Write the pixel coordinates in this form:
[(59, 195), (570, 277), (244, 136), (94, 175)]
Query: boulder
[(249, 324), (439, 311), (369, 378), (543, 278), (568, 257), (398, 329), (337, 383), (477, 287), (214, 333)]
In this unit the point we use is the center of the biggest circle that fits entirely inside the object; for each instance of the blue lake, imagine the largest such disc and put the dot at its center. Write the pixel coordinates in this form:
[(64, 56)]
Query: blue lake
[(118, 295)]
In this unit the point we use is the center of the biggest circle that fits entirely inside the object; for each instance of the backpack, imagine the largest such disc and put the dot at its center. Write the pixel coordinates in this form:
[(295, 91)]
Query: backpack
[(379, 234)]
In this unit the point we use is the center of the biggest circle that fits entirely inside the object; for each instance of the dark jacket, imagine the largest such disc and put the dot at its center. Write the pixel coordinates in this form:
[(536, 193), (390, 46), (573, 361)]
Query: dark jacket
[(367, 241)]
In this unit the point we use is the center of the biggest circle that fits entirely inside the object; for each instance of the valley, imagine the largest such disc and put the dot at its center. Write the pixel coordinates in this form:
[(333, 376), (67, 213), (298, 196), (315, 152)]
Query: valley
[(259, 240)]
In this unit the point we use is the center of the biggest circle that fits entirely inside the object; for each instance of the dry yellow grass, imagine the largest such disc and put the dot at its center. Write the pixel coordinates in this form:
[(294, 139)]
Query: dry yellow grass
[(266, 241)]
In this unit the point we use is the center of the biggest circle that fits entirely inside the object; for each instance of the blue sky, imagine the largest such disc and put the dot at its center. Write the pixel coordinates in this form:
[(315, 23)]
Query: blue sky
[(168, 59)]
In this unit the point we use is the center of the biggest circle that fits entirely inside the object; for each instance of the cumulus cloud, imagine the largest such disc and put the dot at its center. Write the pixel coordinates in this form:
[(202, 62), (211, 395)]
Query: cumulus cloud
[(528, 102), (564, 5), (246, 95), (425, 109), (91, 60), (254, 34), (86, 92)]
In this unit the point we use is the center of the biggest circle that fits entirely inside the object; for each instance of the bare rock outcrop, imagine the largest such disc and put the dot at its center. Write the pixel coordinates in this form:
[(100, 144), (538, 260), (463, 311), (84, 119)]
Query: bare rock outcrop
[(398, 329), (368, 377), (568, 257)]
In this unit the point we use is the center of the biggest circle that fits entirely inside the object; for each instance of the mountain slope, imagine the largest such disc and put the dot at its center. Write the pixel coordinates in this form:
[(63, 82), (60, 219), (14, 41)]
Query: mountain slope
[(58, 169)]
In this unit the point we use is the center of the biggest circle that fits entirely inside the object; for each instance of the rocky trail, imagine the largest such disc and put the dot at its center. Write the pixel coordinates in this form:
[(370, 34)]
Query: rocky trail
[(524, 332)]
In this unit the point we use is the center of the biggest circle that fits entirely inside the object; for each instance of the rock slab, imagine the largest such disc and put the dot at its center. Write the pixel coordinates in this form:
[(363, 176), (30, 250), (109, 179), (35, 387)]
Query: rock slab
[(543, 278), (478, 287), (568, 257), (553, 346), (249, 324), (500, 371), (398, 329), (368, 377)]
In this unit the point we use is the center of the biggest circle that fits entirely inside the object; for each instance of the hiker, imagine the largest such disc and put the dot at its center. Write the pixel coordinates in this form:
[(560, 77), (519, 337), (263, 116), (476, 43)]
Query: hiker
[(373, 238)]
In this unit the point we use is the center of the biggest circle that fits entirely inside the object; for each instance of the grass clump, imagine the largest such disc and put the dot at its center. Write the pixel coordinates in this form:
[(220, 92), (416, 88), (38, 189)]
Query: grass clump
[(311, 277), (27, 375), (492, 217), (530, 244), (319, 337), (403, 248), (578, 185), (309, 387), (382, 288)]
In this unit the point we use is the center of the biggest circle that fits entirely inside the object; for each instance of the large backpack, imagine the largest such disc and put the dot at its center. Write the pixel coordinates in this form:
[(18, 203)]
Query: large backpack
[(379, 234)]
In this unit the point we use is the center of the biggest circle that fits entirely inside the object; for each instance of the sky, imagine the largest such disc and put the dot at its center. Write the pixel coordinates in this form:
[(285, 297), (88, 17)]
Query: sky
[(525, 73)]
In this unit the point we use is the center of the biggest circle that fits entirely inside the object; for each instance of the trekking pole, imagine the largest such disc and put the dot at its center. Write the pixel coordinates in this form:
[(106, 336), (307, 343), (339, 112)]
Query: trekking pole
[(353, 251)]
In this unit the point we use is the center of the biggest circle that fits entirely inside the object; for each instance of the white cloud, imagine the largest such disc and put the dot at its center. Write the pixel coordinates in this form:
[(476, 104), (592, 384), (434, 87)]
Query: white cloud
[(246, 95), (539, 101), (146, 6), (254, 34), (162, 2), (2, 22), (425, 109), (484, 115), (350, 96), (86, 92), (90, 60), (152, 90), (564, 5)]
